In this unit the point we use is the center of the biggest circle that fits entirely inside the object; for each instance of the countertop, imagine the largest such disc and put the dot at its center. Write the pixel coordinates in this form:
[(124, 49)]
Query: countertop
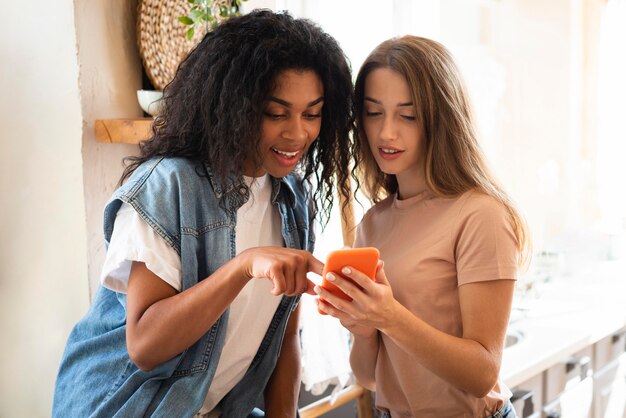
[(571, 313)]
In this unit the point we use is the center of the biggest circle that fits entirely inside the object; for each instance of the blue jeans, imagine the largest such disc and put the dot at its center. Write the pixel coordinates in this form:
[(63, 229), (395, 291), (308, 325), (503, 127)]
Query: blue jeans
[(506, 411), (257, 413)]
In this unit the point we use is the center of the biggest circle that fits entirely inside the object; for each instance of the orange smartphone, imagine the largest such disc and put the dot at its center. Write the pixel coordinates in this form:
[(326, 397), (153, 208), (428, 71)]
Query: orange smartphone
[(363, 259)]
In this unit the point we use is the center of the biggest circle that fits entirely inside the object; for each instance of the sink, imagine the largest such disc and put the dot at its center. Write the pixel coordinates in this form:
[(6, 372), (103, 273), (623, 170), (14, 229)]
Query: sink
[(513, 337)]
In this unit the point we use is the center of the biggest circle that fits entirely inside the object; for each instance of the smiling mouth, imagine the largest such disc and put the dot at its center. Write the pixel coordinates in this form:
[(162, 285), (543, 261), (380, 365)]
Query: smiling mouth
[(286, 154), (389, 151)]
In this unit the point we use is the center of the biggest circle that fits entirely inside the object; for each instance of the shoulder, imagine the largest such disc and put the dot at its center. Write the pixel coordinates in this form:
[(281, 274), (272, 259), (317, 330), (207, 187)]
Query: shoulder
[(483, 217), (179, 170), (377, 212), (160, 175), (475, 204), (380, 208)]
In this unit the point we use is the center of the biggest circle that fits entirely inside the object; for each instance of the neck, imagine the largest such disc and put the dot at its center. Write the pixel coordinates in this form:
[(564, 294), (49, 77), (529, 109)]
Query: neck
[(410, 184)]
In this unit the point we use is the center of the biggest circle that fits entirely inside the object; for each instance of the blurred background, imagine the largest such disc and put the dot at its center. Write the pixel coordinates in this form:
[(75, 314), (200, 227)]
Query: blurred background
[(546, 79)]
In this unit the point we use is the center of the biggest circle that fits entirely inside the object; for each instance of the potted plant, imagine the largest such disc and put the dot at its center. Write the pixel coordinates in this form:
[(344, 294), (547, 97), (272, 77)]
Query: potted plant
[(166, 31), (208, 14)]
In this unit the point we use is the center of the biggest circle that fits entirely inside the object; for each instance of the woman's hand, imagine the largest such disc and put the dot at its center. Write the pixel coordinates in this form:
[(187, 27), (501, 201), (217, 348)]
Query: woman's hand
[(372, 307), (286, 268)]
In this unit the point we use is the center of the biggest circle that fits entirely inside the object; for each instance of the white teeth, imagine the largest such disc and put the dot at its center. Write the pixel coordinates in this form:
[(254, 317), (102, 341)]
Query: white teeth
[(286, 154), (390, 151)]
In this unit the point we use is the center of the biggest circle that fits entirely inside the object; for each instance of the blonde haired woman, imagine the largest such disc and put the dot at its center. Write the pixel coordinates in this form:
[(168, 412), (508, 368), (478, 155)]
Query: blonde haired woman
[(429, 332)]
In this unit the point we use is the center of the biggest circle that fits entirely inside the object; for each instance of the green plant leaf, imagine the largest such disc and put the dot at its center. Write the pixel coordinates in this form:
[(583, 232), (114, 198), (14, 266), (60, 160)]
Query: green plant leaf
[(197, 15), (185, 20), (190, 33)]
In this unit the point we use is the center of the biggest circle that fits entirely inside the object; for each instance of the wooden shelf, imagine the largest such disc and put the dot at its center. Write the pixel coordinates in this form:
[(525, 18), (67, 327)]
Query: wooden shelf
[(123, 131)]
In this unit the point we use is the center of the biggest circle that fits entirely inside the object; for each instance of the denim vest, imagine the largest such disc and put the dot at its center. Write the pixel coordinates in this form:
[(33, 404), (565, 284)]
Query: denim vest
[(197, 217)]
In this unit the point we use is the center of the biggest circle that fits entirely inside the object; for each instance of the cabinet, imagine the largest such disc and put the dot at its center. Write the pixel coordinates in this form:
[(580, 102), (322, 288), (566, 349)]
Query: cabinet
[(568, 387), (527, 398), (589, 384), (609, 381), (564, 390)]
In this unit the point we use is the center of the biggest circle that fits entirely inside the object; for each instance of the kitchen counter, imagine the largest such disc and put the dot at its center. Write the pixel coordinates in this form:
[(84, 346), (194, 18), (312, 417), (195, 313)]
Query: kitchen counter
[(572, 313)]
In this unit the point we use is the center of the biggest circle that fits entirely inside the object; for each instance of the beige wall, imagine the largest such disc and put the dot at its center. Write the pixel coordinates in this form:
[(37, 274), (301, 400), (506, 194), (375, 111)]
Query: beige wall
[(110, 75)]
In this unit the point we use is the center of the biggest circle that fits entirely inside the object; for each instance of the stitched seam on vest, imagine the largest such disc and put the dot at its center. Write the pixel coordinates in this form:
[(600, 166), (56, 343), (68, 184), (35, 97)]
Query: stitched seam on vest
[(210, 227), (206, 354)]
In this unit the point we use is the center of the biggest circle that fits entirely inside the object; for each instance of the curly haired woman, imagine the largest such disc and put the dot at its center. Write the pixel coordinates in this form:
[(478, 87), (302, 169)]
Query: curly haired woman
[(209, 237)]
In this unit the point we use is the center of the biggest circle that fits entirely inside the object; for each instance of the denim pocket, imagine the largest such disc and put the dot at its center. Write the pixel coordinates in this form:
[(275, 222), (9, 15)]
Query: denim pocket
[(197, 358)]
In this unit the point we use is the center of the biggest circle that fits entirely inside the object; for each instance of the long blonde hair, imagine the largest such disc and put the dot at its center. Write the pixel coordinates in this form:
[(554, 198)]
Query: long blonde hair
[(454, 162)]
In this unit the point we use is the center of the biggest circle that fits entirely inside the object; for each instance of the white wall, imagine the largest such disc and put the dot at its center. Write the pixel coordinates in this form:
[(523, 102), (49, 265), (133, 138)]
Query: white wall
[(63, 65), (42, 216)]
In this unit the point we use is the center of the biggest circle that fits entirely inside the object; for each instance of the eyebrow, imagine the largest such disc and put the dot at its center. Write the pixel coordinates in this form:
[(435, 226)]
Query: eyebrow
[(287, 104), (369, 99)]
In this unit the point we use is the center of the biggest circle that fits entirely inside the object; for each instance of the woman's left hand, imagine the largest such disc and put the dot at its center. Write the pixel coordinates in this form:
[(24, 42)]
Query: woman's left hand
[(372, 305)]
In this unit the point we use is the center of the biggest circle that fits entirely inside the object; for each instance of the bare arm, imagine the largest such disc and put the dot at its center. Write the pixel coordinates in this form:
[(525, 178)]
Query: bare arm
[(162, 323), (471, 362), (283, 388)]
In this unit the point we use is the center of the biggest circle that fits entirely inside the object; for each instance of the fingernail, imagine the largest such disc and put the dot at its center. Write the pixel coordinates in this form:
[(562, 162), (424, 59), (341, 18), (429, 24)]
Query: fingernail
[(317, 290), (346, 270), (330, 277)]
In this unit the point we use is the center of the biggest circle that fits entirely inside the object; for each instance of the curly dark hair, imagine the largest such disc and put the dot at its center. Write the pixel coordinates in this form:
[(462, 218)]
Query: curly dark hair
[(213, 108)]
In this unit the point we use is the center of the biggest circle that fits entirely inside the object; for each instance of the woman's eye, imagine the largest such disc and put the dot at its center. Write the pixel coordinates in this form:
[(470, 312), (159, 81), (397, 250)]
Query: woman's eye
[(372, 113), (275, 116), (408, 117), (312, 115)]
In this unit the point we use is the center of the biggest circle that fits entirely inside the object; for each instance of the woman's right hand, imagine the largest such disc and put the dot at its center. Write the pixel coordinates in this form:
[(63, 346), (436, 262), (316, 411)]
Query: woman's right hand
[(285, 267)]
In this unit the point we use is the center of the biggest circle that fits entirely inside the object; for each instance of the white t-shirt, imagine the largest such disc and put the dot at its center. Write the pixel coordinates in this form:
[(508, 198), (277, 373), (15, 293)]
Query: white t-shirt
[(258, 224)]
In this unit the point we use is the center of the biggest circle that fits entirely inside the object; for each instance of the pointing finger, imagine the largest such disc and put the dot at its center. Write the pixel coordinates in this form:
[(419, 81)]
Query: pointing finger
[(314, 265)]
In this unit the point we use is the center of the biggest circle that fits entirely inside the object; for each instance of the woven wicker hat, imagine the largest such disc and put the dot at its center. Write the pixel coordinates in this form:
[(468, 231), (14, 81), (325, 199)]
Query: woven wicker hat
[(161, 38)]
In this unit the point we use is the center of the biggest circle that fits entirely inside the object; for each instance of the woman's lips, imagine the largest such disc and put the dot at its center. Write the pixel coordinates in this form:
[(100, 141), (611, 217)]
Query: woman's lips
[(286, 158), (388, 153)]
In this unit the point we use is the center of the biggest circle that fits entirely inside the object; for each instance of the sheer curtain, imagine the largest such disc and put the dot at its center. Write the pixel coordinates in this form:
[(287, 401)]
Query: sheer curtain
[(611, 116)]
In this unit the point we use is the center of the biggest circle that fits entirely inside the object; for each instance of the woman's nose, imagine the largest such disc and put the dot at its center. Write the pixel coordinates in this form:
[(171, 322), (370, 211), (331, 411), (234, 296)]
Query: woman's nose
[(388, 129), (296, 130)]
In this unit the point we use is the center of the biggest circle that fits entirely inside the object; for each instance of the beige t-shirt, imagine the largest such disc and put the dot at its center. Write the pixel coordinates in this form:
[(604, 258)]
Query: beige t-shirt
[(431, 246)]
